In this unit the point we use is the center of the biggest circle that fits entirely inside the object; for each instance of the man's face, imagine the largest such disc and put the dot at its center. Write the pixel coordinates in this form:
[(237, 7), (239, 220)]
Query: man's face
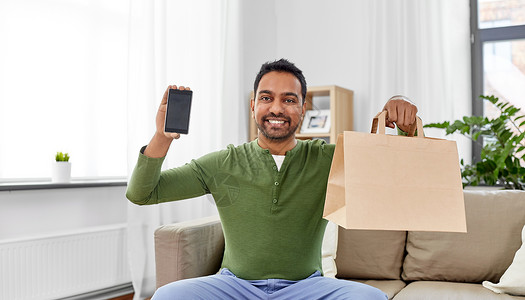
[(277, 105)]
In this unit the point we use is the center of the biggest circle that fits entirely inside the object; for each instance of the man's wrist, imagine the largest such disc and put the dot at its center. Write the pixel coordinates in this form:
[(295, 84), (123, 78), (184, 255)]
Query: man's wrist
[(158, 146), (162, 138)]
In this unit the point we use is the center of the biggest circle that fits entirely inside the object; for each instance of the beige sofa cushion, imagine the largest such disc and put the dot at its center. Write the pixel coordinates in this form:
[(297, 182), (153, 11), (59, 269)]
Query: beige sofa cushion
[(370, 254), (389, 287), (434, 290), (494, 223)]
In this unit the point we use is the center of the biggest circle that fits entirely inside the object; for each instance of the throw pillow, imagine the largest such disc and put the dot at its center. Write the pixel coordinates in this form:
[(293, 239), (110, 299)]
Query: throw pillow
[(513, 280), (494, 222), (329, 249), (370, 254)]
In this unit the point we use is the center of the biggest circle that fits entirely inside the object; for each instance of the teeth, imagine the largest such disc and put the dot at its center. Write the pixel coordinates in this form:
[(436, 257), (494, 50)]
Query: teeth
[(275, 122)]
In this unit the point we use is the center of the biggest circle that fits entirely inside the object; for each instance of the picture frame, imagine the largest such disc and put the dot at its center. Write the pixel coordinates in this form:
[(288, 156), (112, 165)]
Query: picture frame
[(316, 121)]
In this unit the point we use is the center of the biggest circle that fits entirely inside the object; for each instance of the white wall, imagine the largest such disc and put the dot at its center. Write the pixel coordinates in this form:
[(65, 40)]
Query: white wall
[(323, 38), (258, 39), (320, 37), (29, 213)]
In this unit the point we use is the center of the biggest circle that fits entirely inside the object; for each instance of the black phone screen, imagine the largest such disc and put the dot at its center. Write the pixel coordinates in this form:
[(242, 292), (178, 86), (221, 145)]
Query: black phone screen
[(178, 111)]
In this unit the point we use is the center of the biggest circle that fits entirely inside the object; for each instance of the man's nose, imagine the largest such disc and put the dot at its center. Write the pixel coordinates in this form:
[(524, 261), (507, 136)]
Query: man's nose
[(277, 107)]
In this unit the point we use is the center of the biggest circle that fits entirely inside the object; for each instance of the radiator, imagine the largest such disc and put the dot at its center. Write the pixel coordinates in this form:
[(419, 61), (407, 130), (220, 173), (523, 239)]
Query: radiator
[(62, 265)]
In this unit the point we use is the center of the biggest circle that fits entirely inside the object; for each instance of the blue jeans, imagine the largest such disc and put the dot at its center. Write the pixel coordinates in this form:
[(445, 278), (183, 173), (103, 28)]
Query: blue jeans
[(226, 285)]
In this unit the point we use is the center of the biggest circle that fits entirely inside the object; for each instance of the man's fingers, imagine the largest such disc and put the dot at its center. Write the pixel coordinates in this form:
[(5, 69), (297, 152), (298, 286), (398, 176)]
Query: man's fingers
[(413, 114), (401, 111), (391, 117), (410, 118), (165, 96), (172, 87), (390, 124), (400, 120), (172, 135)]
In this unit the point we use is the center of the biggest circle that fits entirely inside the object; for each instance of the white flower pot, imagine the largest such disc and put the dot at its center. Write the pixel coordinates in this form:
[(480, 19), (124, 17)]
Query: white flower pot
[(61, 172)]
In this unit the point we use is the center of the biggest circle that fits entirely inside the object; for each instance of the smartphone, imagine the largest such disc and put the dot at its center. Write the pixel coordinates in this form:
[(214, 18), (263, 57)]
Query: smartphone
[(178, 111)]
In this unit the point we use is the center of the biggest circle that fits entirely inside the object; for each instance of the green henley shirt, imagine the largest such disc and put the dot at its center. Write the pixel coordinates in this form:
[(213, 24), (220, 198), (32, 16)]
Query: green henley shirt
[(272, 219)]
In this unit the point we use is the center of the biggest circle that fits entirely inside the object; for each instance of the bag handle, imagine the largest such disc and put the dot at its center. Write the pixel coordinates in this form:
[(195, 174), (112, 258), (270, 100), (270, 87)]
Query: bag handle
[(378, 125)]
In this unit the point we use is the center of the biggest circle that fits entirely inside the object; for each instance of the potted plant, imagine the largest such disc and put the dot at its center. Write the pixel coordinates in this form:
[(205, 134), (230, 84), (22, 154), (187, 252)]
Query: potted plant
[(61, 171), (503, 146)]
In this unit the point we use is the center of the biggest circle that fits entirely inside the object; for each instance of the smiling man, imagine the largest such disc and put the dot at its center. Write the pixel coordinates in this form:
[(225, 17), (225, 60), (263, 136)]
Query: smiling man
[(270, 196)]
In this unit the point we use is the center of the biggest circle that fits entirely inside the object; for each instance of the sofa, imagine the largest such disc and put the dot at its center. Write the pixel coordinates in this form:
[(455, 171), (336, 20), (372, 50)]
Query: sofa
[(405, 265)]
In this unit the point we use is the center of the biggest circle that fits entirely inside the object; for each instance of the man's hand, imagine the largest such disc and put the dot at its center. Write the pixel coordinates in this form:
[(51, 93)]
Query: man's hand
[(161, 141), (161, 114), (401, 112)]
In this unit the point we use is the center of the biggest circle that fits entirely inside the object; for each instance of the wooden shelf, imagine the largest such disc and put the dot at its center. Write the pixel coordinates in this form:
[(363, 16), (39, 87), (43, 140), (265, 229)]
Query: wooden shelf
[(341, 112)]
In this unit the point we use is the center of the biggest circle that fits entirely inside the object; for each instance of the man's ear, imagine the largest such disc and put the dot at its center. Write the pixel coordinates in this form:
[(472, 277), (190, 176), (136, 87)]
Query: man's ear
[(252, 106)]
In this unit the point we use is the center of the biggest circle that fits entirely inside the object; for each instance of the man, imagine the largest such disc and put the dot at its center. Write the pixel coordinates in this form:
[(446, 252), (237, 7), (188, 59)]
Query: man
[(269, 194)]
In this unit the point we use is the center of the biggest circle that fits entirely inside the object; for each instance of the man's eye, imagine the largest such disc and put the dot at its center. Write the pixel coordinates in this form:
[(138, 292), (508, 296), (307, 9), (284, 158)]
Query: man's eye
[(265, 98), (290, 100)]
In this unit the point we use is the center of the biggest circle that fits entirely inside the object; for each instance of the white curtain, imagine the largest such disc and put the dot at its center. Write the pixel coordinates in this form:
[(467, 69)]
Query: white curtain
[(190, 43), (421, 49)]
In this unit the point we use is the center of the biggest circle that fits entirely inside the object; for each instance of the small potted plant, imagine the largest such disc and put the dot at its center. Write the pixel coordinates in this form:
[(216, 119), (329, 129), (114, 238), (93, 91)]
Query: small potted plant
[(61, 168)]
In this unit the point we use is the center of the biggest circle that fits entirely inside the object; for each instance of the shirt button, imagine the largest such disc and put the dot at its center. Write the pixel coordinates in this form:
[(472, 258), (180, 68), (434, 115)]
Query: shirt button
[(276, 183), (274, 201), (275, 167)]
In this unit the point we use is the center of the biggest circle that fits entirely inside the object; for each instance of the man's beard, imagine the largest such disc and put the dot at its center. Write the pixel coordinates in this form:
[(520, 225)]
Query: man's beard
[(286, 135)]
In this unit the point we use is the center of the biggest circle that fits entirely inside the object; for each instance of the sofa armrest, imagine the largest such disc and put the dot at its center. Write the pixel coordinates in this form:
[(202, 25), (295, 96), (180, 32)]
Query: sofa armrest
[(188, 249)]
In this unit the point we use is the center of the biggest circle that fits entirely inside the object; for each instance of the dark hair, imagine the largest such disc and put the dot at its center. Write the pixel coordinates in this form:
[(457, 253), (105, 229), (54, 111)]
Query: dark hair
[(281, 65)]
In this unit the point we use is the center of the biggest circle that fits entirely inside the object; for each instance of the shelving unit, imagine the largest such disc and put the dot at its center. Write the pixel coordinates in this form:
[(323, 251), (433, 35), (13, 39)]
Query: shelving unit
[(341, 112)]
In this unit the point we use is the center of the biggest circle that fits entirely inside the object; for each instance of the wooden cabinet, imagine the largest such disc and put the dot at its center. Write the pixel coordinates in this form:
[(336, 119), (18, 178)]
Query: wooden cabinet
[(340, 101)]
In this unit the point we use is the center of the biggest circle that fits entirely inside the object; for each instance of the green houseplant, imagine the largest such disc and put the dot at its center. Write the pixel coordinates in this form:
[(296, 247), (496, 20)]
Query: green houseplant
[(61, 170), (62, 156), (503, 146)]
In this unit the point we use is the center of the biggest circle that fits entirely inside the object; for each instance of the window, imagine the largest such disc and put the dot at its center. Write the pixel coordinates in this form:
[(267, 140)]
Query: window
[(63, 76), (498, 55)]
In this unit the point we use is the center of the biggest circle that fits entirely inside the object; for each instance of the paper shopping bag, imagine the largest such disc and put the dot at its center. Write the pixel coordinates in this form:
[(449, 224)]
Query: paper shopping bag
[(387, 182)]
